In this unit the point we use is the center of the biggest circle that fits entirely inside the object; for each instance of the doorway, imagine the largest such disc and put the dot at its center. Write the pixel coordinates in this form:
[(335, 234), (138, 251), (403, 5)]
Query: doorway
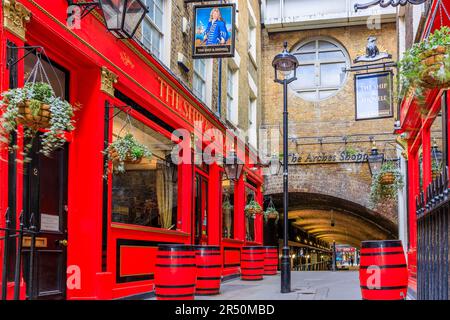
[(45, 204), (200, 218), (45, 201)]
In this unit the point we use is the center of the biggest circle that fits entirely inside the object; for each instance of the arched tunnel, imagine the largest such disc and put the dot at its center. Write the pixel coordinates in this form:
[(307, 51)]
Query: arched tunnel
[(329, 218)]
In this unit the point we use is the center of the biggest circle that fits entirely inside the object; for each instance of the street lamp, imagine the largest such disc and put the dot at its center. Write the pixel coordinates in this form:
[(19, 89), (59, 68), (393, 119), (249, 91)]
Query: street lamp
[(274, 164), (285, 65), (436, 154), (375, 160), (122, 17), (233, 167)]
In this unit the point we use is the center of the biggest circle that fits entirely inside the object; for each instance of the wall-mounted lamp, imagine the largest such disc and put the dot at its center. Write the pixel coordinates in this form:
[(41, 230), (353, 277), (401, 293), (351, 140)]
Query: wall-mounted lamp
[(122, 17)]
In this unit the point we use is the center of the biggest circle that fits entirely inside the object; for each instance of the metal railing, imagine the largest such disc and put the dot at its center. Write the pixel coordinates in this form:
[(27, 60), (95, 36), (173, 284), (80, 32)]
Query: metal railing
[(432, 240), (13, 233)]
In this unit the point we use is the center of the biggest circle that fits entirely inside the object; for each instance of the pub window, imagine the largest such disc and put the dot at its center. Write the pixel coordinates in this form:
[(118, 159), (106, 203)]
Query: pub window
[(146, 194), (250, 194), (228, 209)]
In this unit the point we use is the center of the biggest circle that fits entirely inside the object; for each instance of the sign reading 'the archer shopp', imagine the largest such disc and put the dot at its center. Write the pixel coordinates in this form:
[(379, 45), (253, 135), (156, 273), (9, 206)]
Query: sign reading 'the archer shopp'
[(373, 93), (316, 158)]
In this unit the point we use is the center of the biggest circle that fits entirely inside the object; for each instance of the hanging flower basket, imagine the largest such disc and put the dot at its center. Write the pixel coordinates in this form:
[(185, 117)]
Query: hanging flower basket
[(125, 150), (252, 209), (433, 63), (39, 119), (385, 184), (35, 106), (129, 159), (387, 178), (425, 66), (271, 213)]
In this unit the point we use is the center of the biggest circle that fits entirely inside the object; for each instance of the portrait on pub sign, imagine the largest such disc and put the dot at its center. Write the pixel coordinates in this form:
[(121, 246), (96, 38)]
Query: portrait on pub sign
[(214, 31)]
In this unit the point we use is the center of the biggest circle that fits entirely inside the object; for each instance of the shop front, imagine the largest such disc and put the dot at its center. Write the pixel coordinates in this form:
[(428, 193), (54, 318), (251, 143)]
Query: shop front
[(97, 231)]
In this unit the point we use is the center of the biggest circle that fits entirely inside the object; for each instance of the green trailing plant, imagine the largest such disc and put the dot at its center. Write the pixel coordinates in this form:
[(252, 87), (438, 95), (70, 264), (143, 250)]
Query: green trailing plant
[(227, 205), (351, 151), (252, 208), (380, 191), (414, 67), (271, 213), (36, 107), (125, 149)]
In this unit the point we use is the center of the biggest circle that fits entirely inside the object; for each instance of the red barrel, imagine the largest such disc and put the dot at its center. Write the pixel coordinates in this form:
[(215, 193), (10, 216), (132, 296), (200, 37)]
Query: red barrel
[(209, 270), (252, 263), (383, 274), (270, 260), (175, 272)]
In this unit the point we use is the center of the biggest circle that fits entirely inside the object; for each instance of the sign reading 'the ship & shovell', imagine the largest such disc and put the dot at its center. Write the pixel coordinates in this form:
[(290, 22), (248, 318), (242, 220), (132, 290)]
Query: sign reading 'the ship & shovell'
[(373, 93)]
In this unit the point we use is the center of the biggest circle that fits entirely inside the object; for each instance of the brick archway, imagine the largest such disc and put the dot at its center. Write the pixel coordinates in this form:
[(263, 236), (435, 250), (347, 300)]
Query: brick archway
[(353, 223), (344, 181)]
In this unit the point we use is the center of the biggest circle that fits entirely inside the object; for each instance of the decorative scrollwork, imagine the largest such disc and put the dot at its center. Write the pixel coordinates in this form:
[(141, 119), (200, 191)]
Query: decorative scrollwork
[(387, 3)]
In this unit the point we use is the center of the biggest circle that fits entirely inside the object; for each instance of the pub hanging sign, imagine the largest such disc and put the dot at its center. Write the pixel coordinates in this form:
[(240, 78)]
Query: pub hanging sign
[(214, 31), (373, 94)]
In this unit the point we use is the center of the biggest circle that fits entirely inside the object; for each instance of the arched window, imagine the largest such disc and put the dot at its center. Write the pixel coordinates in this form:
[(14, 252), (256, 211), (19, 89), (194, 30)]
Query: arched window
[(320, 74)]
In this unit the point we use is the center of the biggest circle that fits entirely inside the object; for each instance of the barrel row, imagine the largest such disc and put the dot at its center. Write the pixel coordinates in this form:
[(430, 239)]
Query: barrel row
[(183, 271)]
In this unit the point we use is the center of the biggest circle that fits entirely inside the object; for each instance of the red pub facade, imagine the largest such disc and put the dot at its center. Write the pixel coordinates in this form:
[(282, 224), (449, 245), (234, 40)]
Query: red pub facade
[(427, 239), (98, 236)]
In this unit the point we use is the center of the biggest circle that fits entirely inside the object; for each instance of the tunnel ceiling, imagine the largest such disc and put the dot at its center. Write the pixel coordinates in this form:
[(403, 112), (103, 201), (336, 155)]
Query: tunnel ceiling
[(353, 223)]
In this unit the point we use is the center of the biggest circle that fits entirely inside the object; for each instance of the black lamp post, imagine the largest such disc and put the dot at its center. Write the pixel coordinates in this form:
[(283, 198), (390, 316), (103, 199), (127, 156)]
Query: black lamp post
[(233, 167), (375, 160), (286, 64), (122, 17)]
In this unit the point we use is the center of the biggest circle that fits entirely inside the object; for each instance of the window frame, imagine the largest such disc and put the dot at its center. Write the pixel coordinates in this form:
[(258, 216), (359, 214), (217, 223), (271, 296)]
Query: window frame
[(233, 72), (317, 63), (252, 185), (137, 116), (149, 20), (203, 79)]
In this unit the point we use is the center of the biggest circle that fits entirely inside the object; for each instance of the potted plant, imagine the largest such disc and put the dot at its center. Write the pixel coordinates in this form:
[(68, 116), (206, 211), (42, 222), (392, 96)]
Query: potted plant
[(124, 150), (36, 107), (271, 213), (435, 169), (385, 183), (252, 208), (426, 65)]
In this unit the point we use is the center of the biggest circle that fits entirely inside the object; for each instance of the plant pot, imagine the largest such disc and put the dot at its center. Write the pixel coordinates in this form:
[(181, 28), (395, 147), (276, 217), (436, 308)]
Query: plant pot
[(435, 174), (432, 60), (272, 215), (387, 178), (39, 121), (114, 155)]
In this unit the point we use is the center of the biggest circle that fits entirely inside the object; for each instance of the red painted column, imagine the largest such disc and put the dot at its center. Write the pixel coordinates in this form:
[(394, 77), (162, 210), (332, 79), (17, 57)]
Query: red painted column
[(4, 156), (259, 221), (239, 217), (85, 184), (214, 206), (426, 157)]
